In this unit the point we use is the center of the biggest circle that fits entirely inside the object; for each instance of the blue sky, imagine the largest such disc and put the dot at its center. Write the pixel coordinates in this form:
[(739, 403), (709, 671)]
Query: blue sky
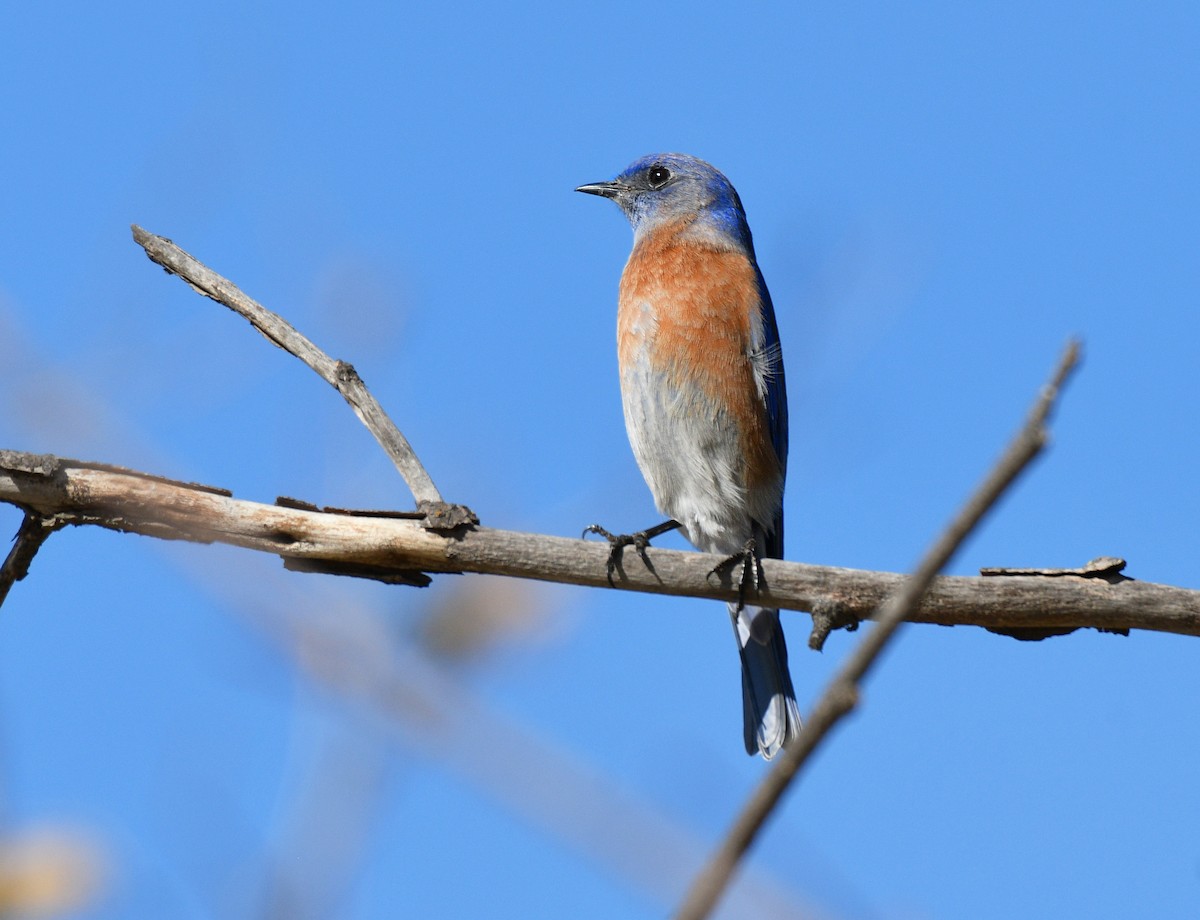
[(940, 196)]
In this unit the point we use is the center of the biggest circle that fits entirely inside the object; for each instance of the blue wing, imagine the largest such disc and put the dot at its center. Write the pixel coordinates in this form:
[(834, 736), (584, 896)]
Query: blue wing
[(776, 404)]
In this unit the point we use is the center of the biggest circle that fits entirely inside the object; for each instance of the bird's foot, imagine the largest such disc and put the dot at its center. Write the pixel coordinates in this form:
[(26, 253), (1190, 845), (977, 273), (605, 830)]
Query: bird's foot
[(751, 566), (639, 541)]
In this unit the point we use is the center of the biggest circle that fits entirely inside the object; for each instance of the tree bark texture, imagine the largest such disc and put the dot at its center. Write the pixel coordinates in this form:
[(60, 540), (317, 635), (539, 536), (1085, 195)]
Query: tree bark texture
[(399, 547)]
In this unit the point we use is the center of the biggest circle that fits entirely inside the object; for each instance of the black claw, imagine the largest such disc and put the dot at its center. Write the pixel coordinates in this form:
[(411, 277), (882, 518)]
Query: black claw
[(639, 541), (752, 570)]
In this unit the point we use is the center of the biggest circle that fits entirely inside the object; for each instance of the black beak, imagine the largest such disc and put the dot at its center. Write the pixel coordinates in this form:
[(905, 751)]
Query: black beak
[(603, 189)]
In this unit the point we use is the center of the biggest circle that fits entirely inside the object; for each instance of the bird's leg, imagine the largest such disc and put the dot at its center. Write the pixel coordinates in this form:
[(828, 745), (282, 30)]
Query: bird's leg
[(751, 564), (640, 540)]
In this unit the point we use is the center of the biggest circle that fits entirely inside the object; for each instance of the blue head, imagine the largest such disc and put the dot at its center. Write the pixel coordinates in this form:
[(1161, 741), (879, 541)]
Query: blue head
[(665, 188)]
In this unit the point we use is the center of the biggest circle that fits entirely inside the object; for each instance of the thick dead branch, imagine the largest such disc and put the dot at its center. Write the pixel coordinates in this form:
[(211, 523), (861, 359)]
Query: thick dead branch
[(842, 694), (125, 500), (339, 374)]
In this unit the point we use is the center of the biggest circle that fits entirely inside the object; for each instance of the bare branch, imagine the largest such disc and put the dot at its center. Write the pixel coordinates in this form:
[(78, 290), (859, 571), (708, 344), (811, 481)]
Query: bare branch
[(389, 547), (339, 374), (841, 696), (1100, 567), (33, 532)]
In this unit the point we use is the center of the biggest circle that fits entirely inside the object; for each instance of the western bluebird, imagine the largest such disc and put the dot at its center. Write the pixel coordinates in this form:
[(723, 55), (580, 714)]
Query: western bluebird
[(703, 391)]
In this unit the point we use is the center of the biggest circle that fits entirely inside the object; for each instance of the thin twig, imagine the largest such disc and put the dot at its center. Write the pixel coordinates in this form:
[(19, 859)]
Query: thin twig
[(33, 532), (841, 696), (339, 374)]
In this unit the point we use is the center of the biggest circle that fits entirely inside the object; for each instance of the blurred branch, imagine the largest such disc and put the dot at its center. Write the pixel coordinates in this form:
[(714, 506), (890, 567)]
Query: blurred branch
[(426, 705), (393, 546), (339, 374), (842, 694)]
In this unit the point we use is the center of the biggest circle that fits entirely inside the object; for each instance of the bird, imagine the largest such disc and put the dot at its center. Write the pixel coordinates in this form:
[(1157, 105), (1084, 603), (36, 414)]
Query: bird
[(705, 400)]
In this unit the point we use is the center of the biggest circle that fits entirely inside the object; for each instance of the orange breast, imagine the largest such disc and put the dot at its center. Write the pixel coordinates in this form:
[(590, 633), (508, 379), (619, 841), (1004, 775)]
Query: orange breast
[(688, 309)]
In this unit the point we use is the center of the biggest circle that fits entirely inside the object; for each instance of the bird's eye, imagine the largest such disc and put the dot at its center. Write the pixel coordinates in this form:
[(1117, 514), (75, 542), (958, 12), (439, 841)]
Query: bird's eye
[(658, 176)]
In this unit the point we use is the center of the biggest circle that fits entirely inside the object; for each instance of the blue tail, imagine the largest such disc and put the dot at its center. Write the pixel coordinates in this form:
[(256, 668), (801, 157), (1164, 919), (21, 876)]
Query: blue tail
[(771, 716)]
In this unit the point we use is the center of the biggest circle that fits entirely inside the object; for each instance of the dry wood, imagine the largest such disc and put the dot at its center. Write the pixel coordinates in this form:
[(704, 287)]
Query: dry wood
[(339, 374), (77, 492)]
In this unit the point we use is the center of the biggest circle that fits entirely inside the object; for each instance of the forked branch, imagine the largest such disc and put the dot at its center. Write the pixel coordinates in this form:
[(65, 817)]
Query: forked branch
[(339, 374)]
